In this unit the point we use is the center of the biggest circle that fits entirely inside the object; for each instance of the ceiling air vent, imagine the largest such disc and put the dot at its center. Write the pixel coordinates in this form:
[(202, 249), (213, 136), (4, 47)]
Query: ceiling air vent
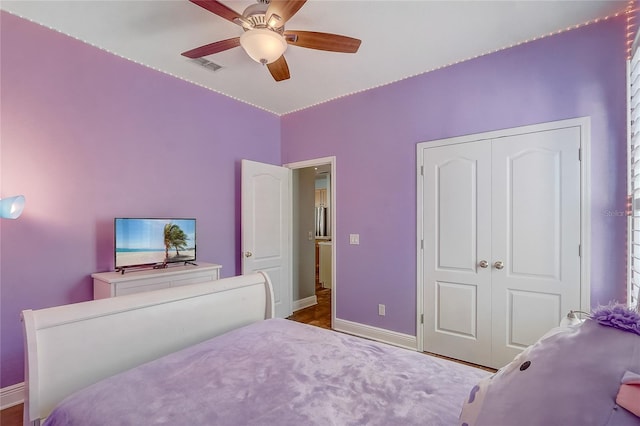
[(207, 64)]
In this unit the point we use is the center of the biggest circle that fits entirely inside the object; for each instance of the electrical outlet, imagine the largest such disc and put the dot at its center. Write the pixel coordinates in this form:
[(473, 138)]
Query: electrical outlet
[(381, 310), (354, 239)]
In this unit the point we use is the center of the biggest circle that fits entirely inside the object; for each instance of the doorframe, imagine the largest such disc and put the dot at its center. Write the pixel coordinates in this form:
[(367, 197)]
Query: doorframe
[(332, 184), (584, 123)]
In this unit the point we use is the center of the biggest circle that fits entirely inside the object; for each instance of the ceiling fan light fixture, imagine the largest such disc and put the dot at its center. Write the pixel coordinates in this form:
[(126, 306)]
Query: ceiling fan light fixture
[(274, 21), (263, 45), (244, 22)]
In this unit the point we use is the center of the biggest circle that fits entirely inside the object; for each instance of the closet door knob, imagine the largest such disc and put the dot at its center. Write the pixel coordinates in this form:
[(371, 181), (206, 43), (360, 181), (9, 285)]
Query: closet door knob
[(483, 264), (498, 265), (248, 254)]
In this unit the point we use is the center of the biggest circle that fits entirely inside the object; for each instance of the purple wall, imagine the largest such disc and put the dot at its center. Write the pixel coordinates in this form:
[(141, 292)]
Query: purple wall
[(374, 134), (87, 136)]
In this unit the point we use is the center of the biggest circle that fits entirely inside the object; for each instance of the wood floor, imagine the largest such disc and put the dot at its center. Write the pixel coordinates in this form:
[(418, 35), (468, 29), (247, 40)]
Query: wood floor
[(11, 416), (318, 315)]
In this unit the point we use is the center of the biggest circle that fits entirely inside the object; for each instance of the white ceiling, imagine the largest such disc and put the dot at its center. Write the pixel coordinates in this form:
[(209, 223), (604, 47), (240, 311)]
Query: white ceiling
[(399, 39)]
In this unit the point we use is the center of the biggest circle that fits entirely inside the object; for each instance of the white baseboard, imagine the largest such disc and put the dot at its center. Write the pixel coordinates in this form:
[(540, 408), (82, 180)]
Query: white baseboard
[(11, 395), (374, 333), (304, 303)]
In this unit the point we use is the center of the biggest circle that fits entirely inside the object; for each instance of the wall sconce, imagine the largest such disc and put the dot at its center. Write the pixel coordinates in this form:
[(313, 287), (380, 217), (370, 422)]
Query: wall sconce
[(11, 208)]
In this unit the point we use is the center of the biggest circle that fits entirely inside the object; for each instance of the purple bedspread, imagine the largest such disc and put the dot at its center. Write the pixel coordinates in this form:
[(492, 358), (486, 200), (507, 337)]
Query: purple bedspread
[(278, 372)]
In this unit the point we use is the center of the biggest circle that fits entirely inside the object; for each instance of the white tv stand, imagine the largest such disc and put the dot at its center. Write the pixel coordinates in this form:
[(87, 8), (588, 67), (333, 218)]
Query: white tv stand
[(111, 284)]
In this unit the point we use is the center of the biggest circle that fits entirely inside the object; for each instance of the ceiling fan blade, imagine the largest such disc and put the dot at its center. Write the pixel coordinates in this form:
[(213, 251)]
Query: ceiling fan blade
[(322, 41), (209, 49), (279, 69), (219, 9), (285, 9)]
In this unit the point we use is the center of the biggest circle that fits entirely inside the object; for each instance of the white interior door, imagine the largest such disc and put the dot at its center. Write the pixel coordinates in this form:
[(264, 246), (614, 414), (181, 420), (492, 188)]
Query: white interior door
[(266, 225), (536, 236), (457, 238), (501, 223)]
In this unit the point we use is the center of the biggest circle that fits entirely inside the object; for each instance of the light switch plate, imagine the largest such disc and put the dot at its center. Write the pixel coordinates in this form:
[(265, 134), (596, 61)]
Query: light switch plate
[(354, 239)]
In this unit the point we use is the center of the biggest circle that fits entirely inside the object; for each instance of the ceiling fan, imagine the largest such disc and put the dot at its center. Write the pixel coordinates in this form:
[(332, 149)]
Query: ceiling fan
[(265, 39)]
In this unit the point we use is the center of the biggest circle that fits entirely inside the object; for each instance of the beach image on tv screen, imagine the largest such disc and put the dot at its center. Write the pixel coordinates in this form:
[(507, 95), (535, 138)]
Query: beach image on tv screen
[(153, 241)]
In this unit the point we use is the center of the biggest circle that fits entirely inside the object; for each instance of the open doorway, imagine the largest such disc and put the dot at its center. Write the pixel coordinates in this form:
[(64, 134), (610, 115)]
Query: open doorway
[(313, 251)]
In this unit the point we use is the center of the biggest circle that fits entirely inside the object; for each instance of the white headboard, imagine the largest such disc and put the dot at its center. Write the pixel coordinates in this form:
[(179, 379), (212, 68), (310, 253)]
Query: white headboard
[(70, 347)]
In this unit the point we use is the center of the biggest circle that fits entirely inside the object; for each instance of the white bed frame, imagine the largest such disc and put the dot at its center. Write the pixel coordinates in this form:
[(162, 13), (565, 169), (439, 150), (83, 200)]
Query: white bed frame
[(70, 347)]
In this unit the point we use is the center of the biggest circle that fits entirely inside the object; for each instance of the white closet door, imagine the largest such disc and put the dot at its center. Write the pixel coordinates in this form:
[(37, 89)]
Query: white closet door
[(536, 236), (457, 237), (514, 202)]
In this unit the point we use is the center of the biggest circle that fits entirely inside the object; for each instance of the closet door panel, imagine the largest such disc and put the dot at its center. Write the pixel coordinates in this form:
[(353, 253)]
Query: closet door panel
[(534, 243), (456, 215), (456, 223), (536, 236)]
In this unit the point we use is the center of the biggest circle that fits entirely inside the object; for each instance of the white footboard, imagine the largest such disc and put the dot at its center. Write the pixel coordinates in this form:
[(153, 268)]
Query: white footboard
[(70, 347)]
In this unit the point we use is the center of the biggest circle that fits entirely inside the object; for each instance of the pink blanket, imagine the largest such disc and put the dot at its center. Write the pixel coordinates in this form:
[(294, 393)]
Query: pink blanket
[(629, 393)]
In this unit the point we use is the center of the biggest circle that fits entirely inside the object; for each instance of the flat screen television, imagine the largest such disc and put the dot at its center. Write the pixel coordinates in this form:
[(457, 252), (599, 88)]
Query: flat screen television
[(153, 241)]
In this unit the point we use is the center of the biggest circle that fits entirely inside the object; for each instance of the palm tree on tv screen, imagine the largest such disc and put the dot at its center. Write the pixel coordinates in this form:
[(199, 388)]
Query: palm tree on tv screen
[(174, 237)]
